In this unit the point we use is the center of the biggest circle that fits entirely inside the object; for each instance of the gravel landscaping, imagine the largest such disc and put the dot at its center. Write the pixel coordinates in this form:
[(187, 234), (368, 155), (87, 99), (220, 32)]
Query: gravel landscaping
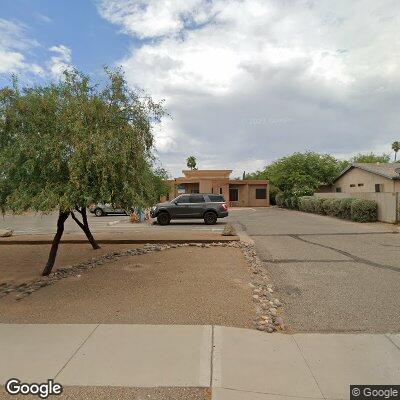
[(119, 393), (188, 283)]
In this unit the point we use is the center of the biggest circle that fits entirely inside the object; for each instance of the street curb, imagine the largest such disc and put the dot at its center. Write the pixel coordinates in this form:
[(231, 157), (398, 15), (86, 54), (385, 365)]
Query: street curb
[(123, 241)]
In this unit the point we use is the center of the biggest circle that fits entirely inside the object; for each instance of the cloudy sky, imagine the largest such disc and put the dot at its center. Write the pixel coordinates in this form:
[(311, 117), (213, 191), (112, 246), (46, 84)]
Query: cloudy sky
[(245, 81)]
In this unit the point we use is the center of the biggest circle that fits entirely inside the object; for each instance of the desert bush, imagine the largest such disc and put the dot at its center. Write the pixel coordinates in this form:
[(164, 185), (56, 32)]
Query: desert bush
[(331, 207), (364, 210), (273, 192), (287, 203), (279, 199), (294, 203), (319, 205), (345, 208), (358, 210), (306, 203)]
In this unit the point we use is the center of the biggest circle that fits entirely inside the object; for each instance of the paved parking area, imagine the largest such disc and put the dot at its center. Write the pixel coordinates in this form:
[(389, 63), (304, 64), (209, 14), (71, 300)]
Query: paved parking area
[(332, 275), (31, 223)]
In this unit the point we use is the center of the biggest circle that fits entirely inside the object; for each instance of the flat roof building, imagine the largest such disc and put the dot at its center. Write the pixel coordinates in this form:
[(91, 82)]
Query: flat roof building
[(237, 192)]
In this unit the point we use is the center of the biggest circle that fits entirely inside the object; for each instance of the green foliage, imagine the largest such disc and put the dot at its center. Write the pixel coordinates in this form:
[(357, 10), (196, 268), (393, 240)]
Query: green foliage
[(294, 203), (287, 202), (331, 207), (191, 162), (350, 208), (395, 148), (306, 203), (364, 210), (273, 191), (345, 208), (280, 198), (370, 158), (72, 143), (300, 174)]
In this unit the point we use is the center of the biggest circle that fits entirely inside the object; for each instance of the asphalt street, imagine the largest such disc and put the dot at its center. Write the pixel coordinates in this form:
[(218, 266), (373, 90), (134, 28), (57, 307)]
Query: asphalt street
[(332, 275)]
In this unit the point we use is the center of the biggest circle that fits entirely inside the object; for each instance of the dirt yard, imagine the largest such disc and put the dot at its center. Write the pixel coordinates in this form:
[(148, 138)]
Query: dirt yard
[(20, 263), (187, 285), (119, 393)]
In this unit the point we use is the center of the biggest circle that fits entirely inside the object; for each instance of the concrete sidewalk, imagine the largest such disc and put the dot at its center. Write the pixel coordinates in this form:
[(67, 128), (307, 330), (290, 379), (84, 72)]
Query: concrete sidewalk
[(238, 364)]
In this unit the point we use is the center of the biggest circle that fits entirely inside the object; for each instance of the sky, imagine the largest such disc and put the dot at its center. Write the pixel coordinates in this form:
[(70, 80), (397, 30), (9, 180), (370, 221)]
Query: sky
[(244, 81)]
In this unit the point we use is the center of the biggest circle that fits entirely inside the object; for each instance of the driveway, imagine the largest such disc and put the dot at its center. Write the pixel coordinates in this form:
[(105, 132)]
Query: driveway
[(332, 275), (38, 224)]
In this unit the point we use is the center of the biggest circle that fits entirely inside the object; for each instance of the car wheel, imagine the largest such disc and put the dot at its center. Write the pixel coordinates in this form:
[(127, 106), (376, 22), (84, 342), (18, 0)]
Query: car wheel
[(163, 218), (98, 212), (210, 218)]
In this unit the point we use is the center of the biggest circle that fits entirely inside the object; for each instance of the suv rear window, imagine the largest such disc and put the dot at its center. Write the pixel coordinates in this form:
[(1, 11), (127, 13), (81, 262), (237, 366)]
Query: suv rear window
[(216, 198), (196, 198)]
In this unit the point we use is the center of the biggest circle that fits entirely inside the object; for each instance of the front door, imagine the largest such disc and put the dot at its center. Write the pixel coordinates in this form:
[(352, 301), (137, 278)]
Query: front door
[(233, 194)]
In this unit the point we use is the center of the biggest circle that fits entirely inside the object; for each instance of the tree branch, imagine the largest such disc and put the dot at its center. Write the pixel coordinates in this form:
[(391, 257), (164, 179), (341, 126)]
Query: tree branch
[(77, 220)]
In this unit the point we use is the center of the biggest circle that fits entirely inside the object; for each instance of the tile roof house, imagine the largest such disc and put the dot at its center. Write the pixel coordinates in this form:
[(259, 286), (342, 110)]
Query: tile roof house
[(369, 177)]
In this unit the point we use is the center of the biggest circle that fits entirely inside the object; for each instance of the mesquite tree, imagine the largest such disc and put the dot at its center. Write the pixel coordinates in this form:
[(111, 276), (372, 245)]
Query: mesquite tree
[(68, 144)]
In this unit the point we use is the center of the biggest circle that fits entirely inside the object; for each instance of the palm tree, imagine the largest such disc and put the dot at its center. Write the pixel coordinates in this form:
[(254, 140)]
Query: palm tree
[(191, 162), (395, 148)]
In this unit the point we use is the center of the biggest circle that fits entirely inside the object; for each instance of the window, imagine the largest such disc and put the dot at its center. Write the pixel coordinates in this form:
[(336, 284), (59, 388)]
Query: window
[(378, 187), (182, 199), (261, 194), (338, 190), (220, 190), (196, 198), (181, 188), (216, 198), (233, 194), (195, 191), (352, 185), (360, 184)]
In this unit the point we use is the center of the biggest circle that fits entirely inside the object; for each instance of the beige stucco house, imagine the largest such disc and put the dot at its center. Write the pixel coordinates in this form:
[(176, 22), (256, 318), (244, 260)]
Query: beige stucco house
[(237, 192), (369, 178), (377, 182)]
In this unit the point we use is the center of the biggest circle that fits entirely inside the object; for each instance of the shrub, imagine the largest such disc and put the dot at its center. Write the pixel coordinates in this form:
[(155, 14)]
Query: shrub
[(364, 210), (331, 207), (294, 202), (279, 198), (273, 192), (345, 208), (306, 203), (287, 203), (319, 205)]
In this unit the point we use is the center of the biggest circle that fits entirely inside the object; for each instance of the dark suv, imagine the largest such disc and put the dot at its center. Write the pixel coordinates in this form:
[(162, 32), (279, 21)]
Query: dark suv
[(210, 207)]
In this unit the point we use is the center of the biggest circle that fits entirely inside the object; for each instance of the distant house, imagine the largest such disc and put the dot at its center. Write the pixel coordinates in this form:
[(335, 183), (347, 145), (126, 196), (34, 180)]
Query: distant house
[(237, 192), (377, 182), (369, 178)]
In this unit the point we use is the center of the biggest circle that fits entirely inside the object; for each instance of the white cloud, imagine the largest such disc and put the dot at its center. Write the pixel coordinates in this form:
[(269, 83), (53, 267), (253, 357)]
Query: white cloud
[(13, 42), (153, 18), (256, 79), (60, 61)]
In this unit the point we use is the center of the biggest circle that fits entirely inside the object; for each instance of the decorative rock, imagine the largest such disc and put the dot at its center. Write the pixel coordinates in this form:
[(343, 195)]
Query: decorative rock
[(229, 230), (279, 322), (273, 311), (277, 303), (269, 328), (268, 295), (6, 232)]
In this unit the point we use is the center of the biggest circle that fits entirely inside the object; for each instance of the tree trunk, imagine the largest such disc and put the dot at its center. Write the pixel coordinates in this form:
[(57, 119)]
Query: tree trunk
[(85, 227), (62, 217)]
